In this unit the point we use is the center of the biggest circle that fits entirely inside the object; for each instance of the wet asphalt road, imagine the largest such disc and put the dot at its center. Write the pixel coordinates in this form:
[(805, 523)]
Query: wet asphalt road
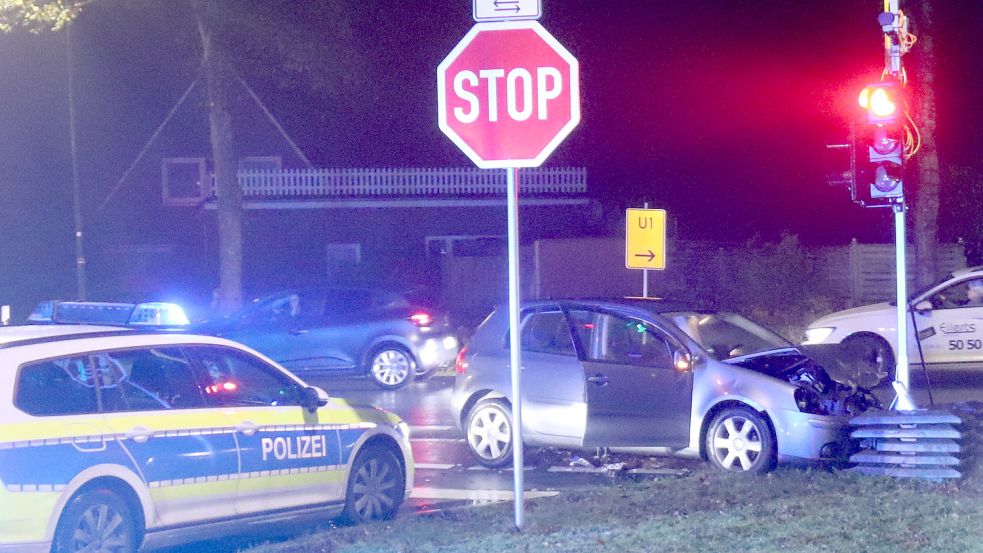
[(447, 476)]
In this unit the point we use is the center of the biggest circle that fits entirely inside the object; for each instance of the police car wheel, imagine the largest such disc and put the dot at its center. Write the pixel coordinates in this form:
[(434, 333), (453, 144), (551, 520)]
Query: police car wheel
[(97, 521), (392, 367), (376, 486)]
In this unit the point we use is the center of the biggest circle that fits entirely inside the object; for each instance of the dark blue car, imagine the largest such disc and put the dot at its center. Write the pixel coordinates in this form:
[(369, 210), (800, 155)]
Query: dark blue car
[(344, 331)]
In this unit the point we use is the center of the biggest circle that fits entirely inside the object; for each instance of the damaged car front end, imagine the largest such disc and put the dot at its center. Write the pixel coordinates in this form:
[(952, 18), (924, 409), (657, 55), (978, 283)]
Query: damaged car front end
[(808, 408)]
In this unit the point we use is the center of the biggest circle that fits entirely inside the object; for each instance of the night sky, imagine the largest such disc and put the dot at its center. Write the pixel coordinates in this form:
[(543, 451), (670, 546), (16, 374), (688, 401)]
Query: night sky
[(717, 111)]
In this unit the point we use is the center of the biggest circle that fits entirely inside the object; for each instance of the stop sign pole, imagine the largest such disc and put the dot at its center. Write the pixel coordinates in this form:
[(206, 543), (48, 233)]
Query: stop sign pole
[(507, 95)]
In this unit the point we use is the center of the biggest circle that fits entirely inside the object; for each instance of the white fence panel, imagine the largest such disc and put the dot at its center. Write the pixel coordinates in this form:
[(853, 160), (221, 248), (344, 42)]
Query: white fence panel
[(407, 182)]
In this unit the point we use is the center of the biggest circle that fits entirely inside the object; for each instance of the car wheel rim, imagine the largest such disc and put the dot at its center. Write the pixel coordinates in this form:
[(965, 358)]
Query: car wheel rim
[(737, 444), (391, 367), (100, 529), (489, 434), (374, 490)]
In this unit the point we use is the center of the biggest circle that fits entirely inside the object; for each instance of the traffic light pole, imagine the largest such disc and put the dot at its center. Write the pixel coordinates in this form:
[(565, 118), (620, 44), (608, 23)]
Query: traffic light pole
[(902, 399)]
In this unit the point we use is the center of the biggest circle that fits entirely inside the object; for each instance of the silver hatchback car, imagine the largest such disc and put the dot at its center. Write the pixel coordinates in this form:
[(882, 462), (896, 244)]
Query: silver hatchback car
[(652, 377)]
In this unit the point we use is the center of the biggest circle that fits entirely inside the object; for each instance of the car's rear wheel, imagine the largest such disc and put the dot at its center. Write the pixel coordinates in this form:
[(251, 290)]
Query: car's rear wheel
[(489, 432), (391, 366), (376, 486), (740, 440), (98, 521), (876, 355)]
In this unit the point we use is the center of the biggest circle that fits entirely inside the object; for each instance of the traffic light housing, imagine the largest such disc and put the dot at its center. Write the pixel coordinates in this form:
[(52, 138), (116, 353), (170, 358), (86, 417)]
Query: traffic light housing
[(879, 146)]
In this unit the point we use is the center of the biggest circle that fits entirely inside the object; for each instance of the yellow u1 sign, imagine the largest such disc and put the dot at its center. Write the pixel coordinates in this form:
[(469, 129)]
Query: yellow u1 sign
[(645, 239)]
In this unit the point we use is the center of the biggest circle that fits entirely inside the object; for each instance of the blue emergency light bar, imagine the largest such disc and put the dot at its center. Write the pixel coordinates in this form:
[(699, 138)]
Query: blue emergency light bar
[(153, 314)]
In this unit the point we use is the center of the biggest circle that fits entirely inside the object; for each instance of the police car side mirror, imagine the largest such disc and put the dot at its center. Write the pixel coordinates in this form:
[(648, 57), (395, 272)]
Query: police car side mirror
[(923, 306), (313, 397)]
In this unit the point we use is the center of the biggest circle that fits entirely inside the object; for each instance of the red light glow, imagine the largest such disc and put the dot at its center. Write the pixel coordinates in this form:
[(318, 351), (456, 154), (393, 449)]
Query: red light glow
[(422, 319)]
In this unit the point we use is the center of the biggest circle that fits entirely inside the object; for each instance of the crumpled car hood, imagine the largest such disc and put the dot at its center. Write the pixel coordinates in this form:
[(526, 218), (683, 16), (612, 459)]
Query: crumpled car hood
[(806, 367)]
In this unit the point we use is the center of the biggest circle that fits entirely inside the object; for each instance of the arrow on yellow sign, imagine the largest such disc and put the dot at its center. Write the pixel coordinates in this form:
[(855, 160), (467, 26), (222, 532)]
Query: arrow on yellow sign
[(645, 238)]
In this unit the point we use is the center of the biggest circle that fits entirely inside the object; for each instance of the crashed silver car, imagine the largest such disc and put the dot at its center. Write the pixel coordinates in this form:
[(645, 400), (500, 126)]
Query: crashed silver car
[(652, 377)]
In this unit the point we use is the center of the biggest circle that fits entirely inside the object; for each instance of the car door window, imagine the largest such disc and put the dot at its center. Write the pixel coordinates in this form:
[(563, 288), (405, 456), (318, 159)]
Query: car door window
[(611, 338), (147, 379), (968, 293), (65, 386), (235, 378), (547, 332), (285, 309)]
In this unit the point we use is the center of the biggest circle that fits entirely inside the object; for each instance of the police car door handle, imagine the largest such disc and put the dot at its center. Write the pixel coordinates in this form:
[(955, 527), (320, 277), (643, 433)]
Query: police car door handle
[(139, 434), (247, 428)]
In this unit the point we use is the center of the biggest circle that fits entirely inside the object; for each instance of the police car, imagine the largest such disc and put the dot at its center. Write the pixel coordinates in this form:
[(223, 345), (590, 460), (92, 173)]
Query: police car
[(945, 331), (112, 439)]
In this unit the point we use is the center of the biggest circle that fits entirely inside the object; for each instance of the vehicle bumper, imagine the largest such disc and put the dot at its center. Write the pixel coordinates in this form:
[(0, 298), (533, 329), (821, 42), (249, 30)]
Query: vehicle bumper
[(804, 438), (437, 352)]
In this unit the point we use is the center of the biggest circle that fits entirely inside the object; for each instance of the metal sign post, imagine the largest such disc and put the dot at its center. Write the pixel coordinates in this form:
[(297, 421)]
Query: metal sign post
[(515, 351)]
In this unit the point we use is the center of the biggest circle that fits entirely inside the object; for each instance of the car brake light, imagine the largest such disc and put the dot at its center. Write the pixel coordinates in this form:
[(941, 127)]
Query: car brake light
[(461, 364), (221, 387), (422, 319)]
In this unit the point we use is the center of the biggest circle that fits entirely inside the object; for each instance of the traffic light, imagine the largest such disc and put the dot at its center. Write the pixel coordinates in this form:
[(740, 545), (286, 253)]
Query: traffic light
[(879, 146)]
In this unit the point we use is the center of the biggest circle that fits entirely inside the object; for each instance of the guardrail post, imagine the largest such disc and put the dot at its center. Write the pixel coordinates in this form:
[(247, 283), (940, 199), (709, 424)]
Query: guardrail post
[(4, 315)]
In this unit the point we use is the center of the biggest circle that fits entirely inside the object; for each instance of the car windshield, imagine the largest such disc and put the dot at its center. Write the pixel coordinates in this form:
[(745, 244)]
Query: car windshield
[(921, 291), (726, 335)]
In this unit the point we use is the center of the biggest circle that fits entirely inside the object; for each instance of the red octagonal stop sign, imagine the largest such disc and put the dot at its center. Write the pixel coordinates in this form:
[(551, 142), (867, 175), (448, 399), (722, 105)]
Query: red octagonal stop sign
[(508, 94)]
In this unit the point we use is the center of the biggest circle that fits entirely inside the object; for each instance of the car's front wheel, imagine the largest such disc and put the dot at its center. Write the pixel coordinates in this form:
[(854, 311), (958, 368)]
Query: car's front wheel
[(391, 366), (376, 486), (98, 521), (876, 355), (740, 440), (489, 432)]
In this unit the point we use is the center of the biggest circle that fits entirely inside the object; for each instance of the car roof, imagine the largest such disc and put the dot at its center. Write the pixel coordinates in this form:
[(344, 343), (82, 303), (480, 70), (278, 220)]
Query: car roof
[(31, 333), (654, 305), (967, 271)]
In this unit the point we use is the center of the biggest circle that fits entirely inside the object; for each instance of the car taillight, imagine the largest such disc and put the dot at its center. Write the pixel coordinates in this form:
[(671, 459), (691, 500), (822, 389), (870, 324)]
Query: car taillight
[(461, 364), (422, 319)]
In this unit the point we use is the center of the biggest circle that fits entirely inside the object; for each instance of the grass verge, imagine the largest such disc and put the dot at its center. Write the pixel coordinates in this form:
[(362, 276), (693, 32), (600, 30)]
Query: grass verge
[(788, 510)]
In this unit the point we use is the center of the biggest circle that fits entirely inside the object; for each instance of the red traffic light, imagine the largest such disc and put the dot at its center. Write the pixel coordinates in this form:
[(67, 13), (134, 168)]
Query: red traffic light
[(882, 101)]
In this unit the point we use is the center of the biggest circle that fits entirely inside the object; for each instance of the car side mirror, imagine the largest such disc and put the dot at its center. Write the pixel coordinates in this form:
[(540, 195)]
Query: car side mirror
[(682, 361), (923, 306), (313, 397)]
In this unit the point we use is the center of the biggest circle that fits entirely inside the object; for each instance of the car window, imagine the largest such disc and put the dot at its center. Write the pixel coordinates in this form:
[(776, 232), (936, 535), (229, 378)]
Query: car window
[(610, 338), (350, 301), (147, 379), (235, 378), (547, 332), (727, 335), (284, 308), (64, 386), (968, 293)]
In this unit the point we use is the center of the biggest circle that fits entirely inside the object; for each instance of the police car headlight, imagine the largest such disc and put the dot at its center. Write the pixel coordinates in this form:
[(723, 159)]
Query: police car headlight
[(403, 429), (818, 335)]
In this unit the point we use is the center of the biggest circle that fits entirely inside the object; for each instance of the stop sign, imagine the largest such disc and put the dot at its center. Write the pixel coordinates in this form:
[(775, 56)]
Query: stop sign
[(508, 94)]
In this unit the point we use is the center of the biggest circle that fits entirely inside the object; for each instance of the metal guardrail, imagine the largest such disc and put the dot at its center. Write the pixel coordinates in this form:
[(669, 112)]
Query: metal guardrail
[(406, 182)]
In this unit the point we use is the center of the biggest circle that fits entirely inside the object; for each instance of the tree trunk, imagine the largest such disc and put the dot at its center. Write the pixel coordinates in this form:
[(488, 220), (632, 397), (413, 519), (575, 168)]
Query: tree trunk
[(926, 191), (218, 75)]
